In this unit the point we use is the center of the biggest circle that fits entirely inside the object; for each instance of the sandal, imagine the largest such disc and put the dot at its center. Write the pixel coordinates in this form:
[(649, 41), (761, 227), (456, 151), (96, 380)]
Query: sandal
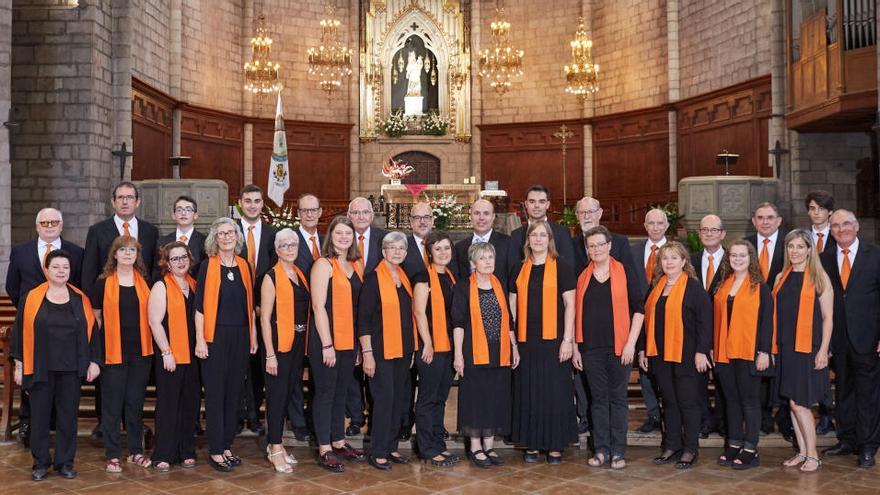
[(139, 460), (188, 463), (795, 461), (113, 466), (810, 459), (442, 462), (162, 467), (598, 460), (618, 462), (746, 459), (730, 453), (284, 468)]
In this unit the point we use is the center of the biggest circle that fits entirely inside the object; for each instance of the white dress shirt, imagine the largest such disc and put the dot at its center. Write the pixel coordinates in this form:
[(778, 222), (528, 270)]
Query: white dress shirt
[(853, 250), (41, 247), (187, 233), (824, 232), (648, 245), (482, 238), (258, 232), (132, 226), (421, 244), (357, 240), (716, 262), (771, 247), (308, 239)]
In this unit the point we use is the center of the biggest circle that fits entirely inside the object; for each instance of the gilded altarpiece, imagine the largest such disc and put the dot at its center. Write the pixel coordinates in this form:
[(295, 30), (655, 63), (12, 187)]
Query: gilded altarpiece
[(418, 51)]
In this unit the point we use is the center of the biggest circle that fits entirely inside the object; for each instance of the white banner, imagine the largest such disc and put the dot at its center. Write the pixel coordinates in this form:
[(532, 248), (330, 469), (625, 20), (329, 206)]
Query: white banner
[(279, 171)]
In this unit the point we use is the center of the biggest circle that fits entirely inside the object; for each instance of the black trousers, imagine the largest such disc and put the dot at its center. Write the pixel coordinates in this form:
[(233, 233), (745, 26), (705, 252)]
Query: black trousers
[(223, 376), (332, 386), (61, 390), (177, 410), (253, 388), (279, 388), (296, 408), (581, 396), (435, 380), (679, 391), (408, 413), (712, 417), (123, 389), (388, 389), (650, 392), (609, 407), (355, 398), (742, 394), (857, 393)]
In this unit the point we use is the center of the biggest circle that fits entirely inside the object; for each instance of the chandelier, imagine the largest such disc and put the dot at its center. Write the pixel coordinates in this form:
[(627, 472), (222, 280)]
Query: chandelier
[(582, 75), (501, 63), (261, 74), (331, 61)]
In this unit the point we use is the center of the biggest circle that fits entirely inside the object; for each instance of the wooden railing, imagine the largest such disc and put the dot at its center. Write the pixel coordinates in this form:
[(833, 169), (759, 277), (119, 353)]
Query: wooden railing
[(626, 214)]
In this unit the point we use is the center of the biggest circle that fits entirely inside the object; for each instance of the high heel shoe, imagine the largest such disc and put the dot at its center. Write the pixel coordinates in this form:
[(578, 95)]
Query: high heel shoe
[(283, 468)]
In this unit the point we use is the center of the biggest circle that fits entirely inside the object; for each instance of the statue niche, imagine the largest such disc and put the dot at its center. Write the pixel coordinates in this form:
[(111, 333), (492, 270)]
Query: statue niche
[(414, 79)]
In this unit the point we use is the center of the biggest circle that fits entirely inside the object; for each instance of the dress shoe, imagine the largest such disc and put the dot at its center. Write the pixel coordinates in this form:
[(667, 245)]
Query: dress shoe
[(399, 459), (67, 471), (494, 458), (233, 460), (353, 430), (222, 466), (382, 466), (328, 461), (554, 459), (825, 425), (767, 427), (39, 473), (530, 457), (866, 459), (24, 434), (97, 432), (348, 452), (651, 424), (302, 434), (839, 449)]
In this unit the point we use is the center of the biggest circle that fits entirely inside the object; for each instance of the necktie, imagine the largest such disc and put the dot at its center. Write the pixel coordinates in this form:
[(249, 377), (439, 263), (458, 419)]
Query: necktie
[(252, 248), (361, 252), (652, 261), (45, 254), (845, 268), (425, 254), (710, 271), (183, 239), (764, 260), (820, 245), (315, 253), (125, 229)]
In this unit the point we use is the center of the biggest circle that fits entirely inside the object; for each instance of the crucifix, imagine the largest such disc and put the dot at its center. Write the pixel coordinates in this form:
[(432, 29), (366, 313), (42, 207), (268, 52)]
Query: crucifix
[(564, 134), (10, 125), (123, 155), (777, 151)]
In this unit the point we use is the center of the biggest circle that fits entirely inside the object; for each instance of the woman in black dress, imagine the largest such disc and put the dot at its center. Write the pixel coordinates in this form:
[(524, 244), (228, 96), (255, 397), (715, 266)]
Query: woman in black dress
[(284, 314), (802, 336), (743, 334), (119, 300), (608, 321), (542, 299), (432, 302), (678, 338), (54, 345), (485, 352), (172, 319), (336, 285), (225, 333)]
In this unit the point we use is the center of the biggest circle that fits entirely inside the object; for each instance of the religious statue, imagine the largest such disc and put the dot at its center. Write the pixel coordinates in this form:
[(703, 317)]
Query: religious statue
[(414, 74)]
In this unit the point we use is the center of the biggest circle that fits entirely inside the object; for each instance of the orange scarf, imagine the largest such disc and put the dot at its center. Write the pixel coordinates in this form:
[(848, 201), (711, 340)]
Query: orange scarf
[(673, 330), (343, 308), (479, 342), (440, 336), (737, 340), (212, 294), (619, 303), (548, 300), (112, 333), (178, 334), (392, 327), (31, 306), (803, 341), (284, 304)]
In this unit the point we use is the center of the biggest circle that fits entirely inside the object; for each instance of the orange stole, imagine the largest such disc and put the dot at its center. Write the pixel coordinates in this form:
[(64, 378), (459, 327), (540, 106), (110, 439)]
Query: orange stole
[(212, 294), (343, 310), (673, 334), (619, 304), (178, 334), (31, 306), (479, 342), (392, 327), (737, 341), (803, 341), (284, 312), (440, 337), (549, 291), (112, 332)]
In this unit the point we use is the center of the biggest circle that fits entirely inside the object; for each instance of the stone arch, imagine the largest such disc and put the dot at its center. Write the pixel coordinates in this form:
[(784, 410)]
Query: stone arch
[(427, 166)]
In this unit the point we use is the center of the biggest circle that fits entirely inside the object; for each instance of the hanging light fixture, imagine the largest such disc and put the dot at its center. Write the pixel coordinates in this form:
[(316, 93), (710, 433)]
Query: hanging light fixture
[(261, 74), (500, 64), (581, 75), (330, 62)]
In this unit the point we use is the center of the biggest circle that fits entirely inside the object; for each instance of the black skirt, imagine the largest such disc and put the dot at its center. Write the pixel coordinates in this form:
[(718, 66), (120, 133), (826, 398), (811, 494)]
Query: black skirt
[(484, 402)]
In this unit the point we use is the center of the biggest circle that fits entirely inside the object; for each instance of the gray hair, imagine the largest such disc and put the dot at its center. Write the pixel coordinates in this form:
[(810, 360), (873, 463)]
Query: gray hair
[(284, 234), (45, 210), (393, 237), (211, 246), (478, 249)]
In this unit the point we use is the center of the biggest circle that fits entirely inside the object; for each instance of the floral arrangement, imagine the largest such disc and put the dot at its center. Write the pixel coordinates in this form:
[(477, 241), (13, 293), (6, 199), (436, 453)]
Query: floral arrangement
[(444, 209), (435, 124), (396, 169), (281, 218), (394, 125), (672, 216)]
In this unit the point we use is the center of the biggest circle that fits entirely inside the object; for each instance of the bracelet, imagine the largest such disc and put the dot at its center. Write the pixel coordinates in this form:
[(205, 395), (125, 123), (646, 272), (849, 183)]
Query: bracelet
[(566, 341), (327, 347), (166, 352), (366, 351), (270, 357)]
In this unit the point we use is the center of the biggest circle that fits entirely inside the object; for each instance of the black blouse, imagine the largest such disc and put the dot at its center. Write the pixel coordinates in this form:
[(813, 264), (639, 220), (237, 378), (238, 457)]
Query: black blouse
[(565, 281), (301, 306), (129, 318), (232, 301), (447, 286), (598, 320), (189, 301), (62, 336), (369, 320), (764, 332), (461, 318), (696, 314)]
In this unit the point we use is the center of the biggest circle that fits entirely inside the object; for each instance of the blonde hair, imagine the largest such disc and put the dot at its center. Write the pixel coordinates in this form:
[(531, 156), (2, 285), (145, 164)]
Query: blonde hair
[(682, 251), (813, 265)]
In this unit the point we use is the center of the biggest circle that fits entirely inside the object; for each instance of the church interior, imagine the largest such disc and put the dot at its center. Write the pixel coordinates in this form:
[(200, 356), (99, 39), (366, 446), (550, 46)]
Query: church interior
[(695, 106)]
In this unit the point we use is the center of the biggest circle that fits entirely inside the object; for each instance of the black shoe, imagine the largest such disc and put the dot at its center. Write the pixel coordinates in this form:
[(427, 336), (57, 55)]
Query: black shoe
[(399, 459), (483, 463), (730, 453), (651, 424), (866, 459), (667, 459), (747, 460), (446, 435), (530, 457), (97, 432), (222, 466), (348, 452), (405, 434), (353, 430), (839, 449), (302, 434), (67, 472), (24, 434), (683, 465), (583, 427), (494, 458), (39, 473), (554, 459), (330, 462), (825, 425), (382, 466), (233, 460)]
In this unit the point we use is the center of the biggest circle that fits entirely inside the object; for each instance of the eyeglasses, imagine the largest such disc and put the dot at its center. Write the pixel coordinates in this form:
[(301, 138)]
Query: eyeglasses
[(49, 223), (588, 212), (178, 259), (360, 213), (184, 209), (128, 197), (712, 230), (288, 245), (421, 218), (846, 224), (127, 250), (598, 245), (395, 247), (309, 211), (226, 234)]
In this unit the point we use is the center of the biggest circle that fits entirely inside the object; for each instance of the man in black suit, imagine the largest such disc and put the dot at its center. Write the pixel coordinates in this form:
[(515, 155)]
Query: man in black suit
[(308, 208), (421, 222), (769, 243), (26, 271), (854, 269), (537, 204), (589, 215), (645, 259), (259, 251), (819, 205), (482, 218), (706, 263), (185, 212)]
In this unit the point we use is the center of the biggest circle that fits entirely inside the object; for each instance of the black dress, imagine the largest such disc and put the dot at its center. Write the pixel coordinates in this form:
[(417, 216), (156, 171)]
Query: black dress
[(796, 376), (543, 415)]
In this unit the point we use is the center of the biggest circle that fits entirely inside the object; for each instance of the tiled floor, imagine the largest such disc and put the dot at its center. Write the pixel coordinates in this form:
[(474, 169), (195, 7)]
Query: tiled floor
[(573, 476)]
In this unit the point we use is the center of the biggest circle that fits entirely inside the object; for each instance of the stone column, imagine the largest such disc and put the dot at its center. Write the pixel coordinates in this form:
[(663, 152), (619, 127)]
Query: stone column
[(175, 73), (779, 98), (121, 63), (5, 133), (673, 81), (588, 110), (247, 98)]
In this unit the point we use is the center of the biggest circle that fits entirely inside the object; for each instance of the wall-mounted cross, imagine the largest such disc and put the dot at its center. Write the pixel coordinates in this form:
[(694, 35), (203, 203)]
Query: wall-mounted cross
[(123, 155), (777, 151), (564, 134)]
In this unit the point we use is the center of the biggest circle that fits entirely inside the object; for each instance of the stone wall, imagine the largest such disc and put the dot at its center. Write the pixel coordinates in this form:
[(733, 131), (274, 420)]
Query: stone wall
[(5, 170), (150, 53)]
